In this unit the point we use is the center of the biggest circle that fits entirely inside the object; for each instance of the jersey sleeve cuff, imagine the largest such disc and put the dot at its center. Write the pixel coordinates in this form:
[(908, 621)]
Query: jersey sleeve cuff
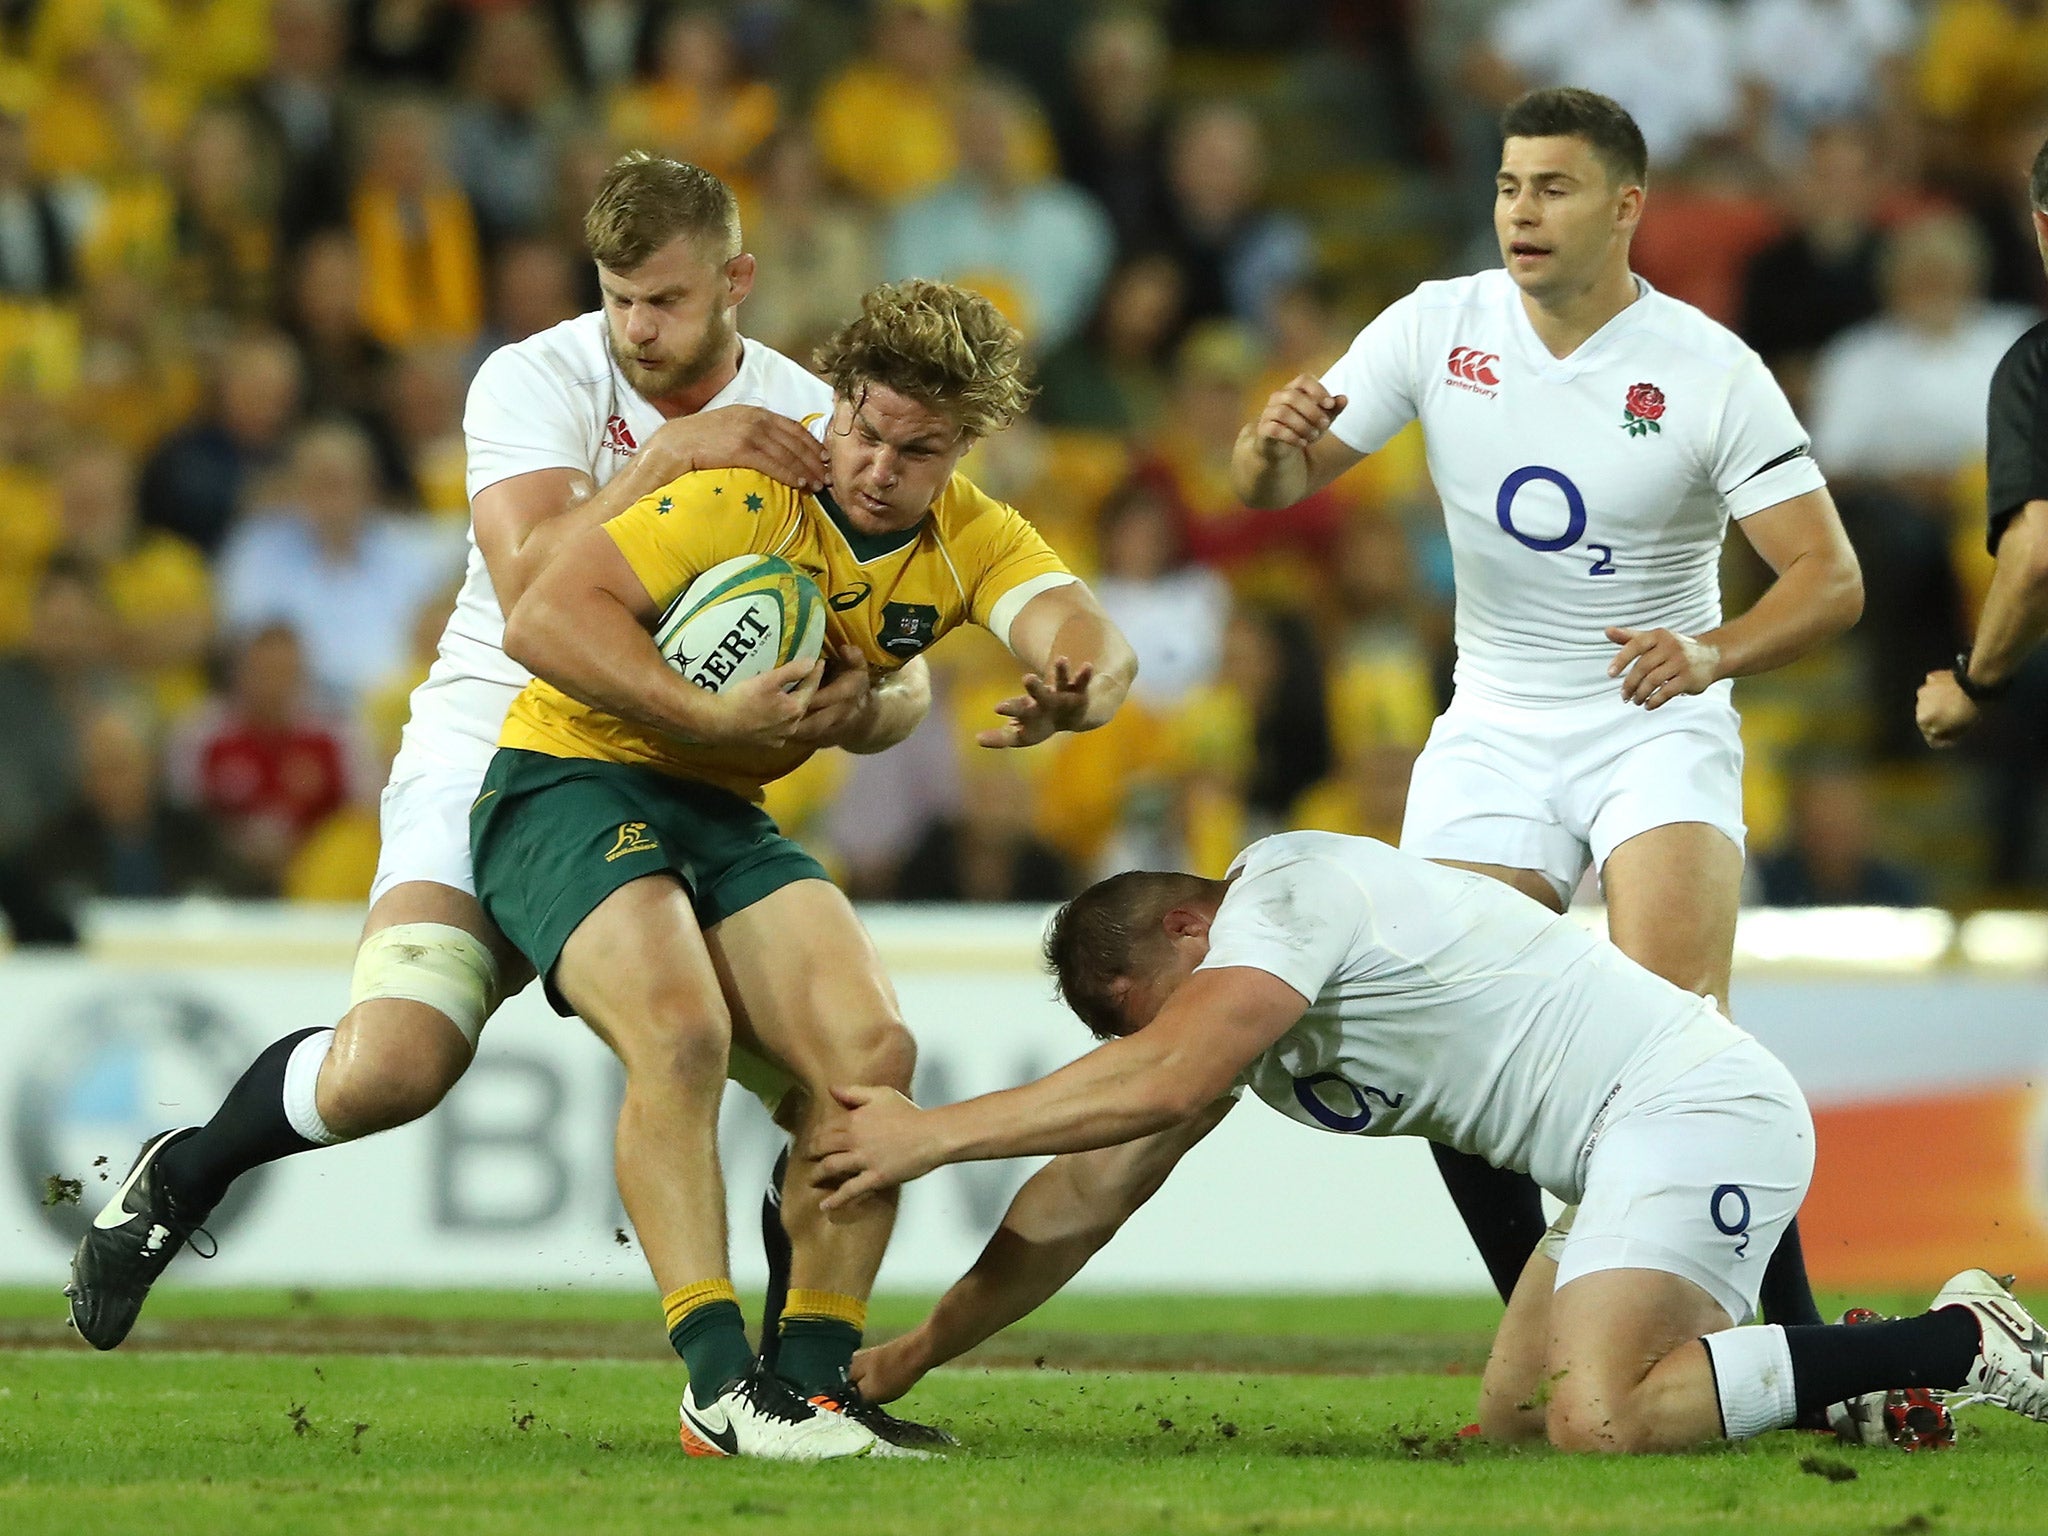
[(1011, 603), (1794, 478)]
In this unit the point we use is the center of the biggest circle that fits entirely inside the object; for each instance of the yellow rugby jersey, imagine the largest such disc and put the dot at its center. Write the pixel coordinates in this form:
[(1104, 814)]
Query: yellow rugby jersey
[(891, 595)]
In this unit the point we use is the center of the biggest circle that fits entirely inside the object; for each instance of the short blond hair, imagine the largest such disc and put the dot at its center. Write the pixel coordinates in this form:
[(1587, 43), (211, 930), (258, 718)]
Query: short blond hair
[(645, 201), (945, 347)]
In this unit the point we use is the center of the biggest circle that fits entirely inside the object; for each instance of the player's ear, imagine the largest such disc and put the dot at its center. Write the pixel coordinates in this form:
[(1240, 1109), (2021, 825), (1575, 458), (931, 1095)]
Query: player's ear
[(739, 278), (1629, 208), (1186, 923)]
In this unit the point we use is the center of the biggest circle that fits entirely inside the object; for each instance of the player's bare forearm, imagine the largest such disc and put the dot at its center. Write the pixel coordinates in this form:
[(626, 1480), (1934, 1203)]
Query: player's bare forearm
[(1164, 1075), (1265, 478), (1064, 639), (897, 706), (1047, 1237), (1116, 1093), (1818, 593), (576, 628), (521, 528), (1289, 452), (1090, 640), (2015, 616)]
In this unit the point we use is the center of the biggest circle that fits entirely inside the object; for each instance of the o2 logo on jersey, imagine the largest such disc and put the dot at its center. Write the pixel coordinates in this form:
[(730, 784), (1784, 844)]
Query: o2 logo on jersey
[(1308, 1094), (1574, 522), (1729, 1207)]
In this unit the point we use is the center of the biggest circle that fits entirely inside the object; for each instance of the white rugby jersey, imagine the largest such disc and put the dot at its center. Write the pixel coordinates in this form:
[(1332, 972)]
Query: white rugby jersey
[(553, 401), (1580, 492), (1448, 1005)]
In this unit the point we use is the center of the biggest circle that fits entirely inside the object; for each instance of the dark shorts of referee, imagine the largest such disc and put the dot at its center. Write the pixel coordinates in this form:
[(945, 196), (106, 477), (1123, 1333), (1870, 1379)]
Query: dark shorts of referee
[(552, 837)]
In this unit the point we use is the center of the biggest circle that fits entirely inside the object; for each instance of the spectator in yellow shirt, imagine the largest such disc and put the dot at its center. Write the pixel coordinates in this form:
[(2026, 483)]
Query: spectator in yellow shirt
[(1983, 72), (885, 125), (696, 105), (422, 261), (155, 584)]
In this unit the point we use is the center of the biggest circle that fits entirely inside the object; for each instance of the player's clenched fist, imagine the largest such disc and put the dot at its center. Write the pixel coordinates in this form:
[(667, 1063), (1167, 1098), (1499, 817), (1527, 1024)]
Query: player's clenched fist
[(1943, 711), (1661, 664), (763, 711), (1299, 412)]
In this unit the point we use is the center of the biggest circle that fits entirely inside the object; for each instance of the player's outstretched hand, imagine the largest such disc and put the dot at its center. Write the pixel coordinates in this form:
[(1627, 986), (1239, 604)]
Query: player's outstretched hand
[(1296, 415), (764, 711), (1661, 665), (839, 709), (878, 1145), (887, 1371), (1944, 712), (1045, 707), (740, 437)]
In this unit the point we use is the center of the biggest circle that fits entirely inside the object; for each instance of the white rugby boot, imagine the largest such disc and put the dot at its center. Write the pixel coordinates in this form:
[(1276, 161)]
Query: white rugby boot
[(2012, 1355), (759, 1416)]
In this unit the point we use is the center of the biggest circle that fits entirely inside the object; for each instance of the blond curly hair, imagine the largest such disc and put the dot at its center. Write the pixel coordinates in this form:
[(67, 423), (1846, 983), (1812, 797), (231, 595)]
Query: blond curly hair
[(945, 347)]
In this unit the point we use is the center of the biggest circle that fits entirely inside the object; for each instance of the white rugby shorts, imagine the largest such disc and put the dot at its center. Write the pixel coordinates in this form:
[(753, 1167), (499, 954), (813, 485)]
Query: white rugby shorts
[(1557, 787), (423, 823), (1698, 1179)]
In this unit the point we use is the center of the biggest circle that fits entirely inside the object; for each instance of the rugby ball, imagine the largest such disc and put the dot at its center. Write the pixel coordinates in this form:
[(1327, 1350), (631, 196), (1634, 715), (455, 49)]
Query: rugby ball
[(741, 618)]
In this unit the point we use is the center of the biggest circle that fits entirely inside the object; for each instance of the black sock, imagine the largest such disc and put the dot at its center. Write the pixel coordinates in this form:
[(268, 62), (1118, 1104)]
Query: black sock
[(775, 1241), (1833, 1362), (1503, 1211), (1785, 1296), (248, 1130)]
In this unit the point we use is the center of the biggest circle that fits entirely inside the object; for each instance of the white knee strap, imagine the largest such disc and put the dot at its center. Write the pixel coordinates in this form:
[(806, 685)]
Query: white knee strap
[(449, 970)]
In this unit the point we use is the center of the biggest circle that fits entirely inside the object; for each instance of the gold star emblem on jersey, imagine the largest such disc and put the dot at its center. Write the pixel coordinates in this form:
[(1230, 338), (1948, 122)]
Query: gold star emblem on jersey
[(632, 838)]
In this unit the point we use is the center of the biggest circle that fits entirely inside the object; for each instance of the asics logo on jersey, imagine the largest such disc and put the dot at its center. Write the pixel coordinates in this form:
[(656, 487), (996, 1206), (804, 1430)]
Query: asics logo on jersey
[(1473, 369), (852, 598), (619, 437)]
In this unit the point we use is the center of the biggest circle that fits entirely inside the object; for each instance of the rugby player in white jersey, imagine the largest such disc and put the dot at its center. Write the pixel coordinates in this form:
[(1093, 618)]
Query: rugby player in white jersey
[(564, 430), (1361, 990), (1589, 439)]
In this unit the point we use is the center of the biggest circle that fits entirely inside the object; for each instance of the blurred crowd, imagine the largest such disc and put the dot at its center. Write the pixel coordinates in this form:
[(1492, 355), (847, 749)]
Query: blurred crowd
[(251, 252)]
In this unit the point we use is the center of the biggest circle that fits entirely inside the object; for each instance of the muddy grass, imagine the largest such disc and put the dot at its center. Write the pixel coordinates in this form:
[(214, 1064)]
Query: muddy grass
[(529, 1339)]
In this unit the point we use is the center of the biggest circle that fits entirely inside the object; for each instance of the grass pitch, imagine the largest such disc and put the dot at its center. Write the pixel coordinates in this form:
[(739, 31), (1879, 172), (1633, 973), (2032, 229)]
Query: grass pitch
[(370, 1413)]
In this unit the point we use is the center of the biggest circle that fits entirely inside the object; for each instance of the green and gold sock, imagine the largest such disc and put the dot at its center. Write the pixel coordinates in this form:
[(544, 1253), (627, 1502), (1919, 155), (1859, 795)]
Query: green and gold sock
[(705, 1326), (819, 1333)]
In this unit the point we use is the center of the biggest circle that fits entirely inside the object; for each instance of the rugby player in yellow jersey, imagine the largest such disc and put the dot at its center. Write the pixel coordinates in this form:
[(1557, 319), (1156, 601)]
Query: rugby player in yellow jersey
[(620, 844)]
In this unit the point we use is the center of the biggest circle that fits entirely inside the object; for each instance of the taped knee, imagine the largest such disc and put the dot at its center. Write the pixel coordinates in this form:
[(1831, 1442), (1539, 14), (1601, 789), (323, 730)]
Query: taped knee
[(437, 964), (1551, 1245)]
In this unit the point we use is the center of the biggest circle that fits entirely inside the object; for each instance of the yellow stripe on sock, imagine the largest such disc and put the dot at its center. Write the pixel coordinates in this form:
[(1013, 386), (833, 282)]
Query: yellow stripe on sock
[(677, 1305), (826, 1304)]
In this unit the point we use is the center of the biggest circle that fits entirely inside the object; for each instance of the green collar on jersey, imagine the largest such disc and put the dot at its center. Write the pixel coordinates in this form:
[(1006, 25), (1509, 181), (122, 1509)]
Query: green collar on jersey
[(868, 546)]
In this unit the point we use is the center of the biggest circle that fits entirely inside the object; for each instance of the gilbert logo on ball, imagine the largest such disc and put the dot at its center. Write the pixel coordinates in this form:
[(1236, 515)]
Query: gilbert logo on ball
[(741, 618)]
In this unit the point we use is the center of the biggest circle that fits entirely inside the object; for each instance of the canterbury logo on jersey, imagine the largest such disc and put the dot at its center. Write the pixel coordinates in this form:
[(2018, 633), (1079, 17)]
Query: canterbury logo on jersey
[(632, 838), (619, 437), (1473, 369)]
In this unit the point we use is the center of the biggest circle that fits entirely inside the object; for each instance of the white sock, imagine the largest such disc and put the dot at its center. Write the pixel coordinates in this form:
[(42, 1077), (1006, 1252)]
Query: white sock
[(301, 1079), (1753, 1378)]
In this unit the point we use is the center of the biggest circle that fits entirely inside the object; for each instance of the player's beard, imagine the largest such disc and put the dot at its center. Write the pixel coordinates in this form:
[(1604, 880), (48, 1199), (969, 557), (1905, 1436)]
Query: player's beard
[(715, 346)]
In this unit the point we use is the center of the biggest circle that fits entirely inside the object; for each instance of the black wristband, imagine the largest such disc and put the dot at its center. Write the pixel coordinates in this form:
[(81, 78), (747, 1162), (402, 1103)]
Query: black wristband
[(1977, 693)]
